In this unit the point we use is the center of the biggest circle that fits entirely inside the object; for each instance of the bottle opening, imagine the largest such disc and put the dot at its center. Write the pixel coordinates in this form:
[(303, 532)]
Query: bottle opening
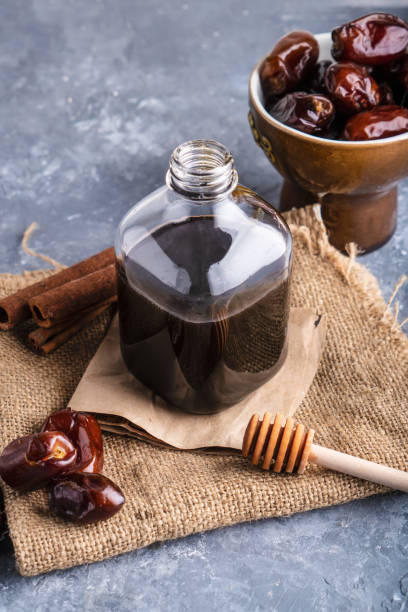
[(202, 169)]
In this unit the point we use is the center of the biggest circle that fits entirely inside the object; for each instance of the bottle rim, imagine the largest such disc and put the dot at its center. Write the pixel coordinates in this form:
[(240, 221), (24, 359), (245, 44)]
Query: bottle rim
[(202, 169)]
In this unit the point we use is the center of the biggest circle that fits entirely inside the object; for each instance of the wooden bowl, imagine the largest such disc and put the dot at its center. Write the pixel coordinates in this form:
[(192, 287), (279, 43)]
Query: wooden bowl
[(355, 182)]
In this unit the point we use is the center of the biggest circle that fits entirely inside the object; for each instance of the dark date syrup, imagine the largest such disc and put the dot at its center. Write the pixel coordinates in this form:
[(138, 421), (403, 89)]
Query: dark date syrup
[(200, 348)]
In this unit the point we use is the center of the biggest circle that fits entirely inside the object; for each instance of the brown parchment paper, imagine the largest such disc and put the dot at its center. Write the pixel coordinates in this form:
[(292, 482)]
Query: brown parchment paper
[(108, 388)]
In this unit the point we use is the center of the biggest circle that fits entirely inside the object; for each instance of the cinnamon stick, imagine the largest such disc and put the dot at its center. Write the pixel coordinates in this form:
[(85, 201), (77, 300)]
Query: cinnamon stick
[(14, 309), (72, 329), (40, 335), (65, 301)]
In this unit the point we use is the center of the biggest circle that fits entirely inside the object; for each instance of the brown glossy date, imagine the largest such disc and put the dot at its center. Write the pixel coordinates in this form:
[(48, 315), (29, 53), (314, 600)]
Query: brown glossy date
[(382, 122), (84, 432), (351, 88), (85, 498), (33, 460), (290, 61), (374, 39), (310, 113)]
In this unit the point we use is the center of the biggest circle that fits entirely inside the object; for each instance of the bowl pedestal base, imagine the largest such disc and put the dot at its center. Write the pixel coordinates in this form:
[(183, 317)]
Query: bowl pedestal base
[(369, 219)]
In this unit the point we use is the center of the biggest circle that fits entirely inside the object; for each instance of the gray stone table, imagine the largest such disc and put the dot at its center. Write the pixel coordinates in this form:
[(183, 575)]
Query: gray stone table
[(94, 94)]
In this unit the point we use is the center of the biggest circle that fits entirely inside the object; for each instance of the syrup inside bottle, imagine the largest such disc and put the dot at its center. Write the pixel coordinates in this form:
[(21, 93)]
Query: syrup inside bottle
[(203, 307)]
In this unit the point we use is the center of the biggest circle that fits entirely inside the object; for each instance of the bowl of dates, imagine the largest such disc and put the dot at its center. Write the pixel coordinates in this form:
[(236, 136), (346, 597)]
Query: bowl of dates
[(330, 111)]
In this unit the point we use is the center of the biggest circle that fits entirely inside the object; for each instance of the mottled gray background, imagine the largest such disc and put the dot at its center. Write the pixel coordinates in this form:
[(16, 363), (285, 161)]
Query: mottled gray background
[(93, 97)]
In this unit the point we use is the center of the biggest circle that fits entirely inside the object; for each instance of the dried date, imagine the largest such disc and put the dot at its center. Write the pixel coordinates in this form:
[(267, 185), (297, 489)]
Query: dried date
[(377, 38), (351, 88), (84, 432), (309, 113), (85, 498), (290, 61), (382, 122), (33, 460)]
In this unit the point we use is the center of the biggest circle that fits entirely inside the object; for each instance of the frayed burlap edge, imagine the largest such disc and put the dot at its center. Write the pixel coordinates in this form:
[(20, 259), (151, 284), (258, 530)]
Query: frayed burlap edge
[(306, 225)]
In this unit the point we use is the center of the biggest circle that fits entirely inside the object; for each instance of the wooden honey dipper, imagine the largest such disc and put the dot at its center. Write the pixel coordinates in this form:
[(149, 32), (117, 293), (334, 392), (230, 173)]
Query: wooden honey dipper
[(290, 447)]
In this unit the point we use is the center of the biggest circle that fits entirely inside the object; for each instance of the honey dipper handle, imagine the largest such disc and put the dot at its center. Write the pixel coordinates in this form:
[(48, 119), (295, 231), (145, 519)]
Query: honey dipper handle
[(367, 470)]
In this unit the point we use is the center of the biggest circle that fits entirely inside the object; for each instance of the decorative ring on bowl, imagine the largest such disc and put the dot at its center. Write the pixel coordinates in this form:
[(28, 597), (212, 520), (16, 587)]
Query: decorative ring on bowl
[(254, 131), (261, 141)]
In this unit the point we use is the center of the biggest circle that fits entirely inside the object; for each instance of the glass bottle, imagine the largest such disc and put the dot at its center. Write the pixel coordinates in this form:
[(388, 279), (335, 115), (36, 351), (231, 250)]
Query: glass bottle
[(203, 284)]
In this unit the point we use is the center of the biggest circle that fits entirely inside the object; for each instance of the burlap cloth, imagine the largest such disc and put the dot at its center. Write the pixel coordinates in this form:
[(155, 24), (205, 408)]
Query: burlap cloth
[(357, 404)]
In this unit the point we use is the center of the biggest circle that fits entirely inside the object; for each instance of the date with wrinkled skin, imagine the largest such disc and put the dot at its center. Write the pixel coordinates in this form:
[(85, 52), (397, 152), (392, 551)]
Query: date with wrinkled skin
[(84, 432), (290, 61), (377, 38), (85, 498), (309, 113), (34, 460), (382, 122), (351, 88)]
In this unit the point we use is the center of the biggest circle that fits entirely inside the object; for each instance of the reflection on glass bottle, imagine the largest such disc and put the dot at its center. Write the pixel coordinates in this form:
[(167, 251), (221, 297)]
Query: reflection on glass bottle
[(203, 284)]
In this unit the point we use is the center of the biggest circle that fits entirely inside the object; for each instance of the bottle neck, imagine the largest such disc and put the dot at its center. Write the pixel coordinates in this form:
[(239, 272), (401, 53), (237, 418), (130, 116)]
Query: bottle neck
[(202, 170)]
